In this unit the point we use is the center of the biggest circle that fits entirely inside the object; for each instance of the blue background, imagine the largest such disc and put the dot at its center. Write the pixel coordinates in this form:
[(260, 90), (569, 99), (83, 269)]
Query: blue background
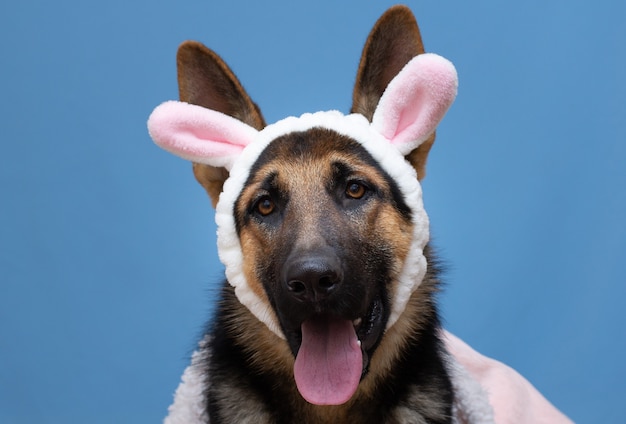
[(107, 245)]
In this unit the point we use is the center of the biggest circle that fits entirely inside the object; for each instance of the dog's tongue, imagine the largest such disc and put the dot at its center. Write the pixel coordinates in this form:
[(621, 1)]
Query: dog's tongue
[(329, 363)]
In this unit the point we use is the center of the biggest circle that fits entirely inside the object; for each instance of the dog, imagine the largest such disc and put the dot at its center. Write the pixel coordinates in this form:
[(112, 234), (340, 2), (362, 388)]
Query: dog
[(328, 313)]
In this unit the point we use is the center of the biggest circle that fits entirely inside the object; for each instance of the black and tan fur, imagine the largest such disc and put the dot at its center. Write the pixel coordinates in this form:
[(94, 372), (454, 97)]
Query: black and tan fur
[(324, 232)]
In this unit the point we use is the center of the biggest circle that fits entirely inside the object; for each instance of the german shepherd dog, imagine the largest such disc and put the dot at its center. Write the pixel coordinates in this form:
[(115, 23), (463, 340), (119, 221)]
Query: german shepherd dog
[(328, 313)]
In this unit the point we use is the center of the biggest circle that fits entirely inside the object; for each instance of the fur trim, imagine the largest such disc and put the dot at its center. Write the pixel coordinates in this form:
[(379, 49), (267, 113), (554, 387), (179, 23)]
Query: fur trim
[(390, 159), (189, 406)]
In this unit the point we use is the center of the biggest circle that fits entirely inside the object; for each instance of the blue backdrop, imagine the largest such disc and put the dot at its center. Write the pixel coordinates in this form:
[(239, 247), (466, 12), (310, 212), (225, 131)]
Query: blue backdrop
[(108, 264)]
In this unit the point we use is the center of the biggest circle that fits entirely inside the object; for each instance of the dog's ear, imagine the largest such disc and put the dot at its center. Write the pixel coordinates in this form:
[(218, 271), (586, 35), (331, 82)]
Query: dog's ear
[(205, 80), (392, 43)]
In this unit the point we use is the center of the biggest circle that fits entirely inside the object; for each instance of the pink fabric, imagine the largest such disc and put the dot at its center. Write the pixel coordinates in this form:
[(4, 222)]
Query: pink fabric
[(199, 134), (415, 101), (513, 399)]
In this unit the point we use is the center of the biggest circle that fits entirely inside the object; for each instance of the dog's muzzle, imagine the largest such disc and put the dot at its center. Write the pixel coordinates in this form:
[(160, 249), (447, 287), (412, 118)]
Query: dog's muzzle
[(331, 325)]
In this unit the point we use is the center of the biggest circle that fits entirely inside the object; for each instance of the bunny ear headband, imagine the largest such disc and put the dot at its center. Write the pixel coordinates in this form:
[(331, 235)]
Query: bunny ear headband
[(407, 114)]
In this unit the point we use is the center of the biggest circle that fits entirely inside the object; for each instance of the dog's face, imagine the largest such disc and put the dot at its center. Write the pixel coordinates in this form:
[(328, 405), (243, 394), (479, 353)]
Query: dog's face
[(324, 233)]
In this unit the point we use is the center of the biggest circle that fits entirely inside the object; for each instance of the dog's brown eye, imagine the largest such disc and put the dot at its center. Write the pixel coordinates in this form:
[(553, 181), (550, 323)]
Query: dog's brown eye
[(355, 190), (265, 206)]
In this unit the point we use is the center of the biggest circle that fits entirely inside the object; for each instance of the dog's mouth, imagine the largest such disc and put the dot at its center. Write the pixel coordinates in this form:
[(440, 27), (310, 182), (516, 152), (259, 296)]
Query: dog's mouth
[(334, 353)]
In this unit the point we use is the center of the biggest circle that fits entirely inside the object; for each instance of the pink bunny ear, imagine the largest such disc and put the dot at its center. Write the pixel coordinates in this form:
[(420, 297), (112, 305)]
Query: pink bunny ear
[(415, 101), (199, 134)]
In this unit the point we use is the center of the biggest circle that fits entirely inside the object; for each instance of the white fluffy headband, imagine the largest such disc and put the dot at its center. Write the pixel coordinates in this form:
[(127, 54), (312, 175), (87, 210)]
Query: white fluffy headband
[(407, 114)]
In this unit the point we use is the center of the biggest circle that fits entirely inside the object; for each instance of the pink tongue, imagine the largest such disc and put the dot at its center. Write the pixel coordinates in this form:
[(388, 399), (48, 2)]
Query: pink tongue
[(329, 363)]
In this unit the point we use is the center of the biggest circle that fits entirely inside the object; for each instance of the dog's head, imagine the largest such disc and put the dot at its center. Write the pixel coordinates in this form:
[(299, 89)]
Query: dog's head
[(320, 219)]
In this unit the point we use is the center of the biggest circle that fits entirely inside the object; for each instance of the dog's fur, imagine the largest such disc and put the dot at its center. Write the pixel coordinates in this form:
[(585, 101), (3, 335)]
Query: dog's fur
[(324, 231)]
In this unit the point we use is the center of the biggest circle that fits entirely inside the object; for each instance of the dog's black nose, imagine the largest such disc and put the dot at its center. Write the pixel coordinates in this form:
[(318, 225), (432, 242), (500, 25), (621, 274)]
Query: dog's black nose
[(312, 278)]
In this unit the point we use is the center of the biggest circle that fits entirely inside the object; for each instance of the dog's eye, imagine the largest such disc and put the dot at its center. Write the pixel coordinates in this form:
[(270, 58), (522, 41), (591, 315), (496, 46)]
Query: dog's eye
[(355, 190), (265, 205)]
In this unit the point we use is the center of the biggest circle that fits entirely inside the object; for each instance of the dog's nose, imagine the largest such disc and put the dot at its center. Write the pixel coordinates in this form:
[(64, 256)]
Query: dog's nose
[(312, 278)]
